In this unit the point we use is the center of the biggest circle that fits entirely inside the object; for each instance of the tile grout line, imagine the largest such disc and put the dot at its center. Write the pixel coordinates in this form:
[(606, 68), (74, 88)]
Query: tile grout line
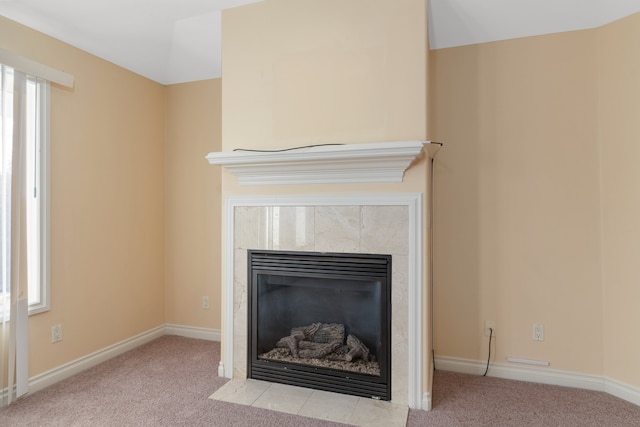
[(260, 395), (305, 402)]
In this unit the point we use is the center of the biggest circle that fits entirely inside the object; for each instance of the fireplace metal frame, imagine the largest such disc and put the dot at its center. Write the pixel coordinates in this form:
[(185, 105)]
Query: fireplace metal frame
[(353, 266)]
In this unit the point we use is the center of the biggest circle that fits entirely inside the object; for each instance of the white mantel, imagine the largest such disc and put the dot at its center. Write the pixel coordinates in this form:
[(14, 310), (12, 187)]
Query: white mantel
[(323, 164)]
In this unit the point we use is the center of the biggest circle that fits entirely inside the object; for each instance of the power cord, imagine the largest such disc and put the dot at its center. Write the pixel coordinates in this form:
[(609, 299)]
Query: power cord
[(489, 358), (285, 149)]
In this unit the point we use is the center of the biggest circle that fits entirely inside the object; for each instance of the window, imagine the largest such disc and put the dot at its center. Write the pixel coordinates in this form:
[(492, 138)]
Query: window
[(33, 122)]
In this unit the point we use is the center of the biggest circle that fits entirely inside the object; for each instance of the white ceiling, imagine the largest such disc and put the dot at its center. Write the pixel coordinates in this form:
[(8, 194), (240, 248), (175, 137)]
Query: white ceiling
[(169, 41), (462, 22), (176, 41)]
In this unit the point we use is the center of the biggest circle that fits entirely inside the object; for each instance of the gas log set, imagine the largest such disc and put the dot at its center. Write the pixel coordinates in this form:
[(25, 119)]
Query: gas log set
[(324, 345)]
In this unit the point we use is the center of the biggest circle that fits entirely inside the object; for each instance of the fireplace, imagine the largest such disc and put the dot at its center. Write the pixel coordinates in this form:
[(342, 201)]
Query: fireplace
[(365, 224), (385, 218), (321, 320)]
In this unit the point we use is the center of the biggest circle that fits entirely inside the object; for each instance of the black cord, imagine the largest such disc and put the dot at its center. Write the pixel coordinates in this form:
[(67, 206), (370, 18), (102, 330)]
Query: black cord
[(284, 149), (299, 148), (433, 358), (489, 358)]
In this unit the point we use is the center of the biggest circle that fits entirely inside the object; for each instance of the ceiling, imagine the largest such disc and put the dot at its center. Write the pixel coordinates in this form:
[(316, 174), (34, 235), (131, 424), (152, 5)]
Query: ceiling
[(462, 22), (176, 41), (168, 41)]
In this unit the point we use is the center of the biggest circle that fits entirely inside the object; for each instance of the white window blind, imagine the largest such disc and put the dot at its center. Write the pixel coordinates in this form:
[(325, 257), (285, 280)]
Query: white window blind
[(24, 213)]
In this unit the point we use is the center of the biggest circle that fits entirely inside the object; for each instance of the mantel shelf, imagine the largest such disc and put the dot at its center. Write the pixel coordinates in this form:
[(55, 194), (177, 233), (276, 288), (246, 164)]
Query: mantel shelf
[(324, 164)]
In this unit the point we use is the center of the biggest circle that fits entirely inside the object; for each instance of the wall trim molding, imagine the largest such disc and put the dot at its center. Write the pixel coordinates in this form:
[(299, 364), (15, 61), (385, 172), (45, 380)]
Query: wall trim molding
[(611, 386), (50, 377), (193, 332), (426, 401), (541, 375), (623, 391), (45, 379)]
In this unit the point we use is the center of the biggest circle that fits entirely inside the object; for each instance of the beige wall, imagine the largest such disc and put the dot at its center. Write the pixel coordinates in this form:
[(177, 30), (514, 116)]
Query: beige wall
[(192, 203), (301, 72), (536, 204), (135, 217), (619, 136), (527, 228), (107, 212), (306, 71)]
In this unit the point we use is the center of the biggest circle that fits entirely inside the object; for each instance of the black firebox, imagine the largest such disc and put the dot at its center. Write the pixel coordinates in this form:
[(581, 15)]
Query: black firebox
[(321, 320)]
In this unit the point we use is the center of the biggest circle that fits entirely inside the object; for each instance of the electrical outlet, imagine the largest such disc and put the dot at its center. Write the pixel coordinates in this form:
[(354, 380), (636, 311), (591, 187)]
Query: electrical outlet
[(56, 333), (205, 303), (489, 328), (538, 332)]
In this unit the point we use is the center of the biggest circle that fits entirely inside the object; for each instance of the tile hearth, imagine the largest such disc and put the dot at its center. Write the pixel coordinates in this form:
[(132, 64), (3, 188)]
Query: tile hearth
[(310, 403)]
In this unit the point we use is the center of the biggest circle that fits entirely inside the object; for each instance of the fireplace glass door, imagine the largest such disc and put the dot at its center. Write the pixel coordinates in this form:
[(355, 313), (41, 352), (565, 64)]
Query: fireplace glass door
[(321, 321)]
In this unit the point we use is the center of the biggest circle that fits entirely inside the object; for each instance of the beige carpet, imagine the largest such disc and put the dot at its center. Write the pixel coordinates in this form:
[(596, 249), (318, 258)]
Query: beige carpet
[(167, 382)]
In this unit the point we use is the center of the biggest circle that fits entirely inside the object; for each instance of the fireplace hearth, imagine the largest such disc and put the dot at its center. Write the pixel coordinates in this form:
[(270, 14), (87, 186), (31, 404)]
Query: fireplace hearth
[(321, 320)]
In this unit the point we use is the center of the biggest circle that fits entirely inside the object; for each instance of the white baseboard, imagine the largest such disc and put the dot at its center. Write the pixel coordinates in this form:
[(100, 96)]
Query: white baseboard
[(54, 375), (193, 332), (426, 401), (623, 391), (45, 379), (499, 370), (541, 375)]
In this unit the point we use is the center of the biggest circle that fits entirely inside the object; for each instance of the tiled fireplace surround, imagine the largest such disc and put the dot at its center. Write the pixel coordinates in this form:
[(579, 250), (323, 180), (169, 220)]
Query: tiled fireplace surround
[(361, 223)]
